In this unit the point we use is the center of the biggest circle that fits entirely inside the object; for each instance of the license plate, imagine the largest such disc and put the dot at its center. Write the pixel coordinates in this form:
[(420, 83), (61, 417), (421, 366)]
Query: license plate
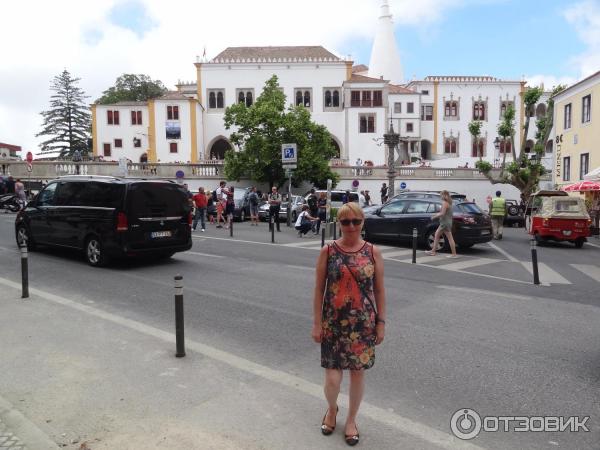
[(160, 234), (567, 232), (484, 232)]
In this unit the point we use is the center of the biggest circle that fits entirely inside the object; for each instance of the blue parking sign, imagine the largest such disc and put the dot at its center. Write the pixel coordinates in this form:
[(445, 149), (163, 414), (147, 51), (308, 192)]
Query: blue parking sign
[(403, 185), (289, 153)]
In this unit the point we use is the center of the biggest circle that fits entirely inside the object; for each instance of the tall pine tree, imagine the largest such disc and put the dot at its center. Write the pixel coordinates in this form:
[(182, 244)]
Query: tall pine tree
[(67, 123)]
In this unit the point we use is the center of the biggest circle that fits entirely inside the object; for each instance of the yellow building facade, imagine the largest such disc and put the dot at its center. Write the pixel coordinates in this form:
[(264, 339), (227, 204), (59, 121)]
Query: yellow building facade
[(577, 126)]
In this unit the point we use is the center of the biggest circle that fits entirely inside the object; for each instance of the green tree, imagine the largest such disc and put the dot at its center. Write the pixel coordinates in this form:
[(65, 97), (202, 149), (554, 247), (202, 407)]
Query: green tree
[(67, 123), (132, 88), (262, 128), (523, 172)]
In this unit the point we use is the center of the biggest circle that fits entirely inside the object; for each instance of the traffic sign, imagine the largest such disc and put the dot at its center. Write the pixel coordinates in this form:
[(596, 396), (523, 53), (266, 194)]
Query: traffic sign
[(29, 157), (289, 154), (403, 185)]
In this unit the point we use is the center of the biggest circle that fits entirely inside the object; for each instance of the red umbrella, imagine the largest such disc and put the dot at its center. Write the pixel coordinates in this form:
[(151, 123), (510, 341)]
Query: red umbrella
[(582, 186)]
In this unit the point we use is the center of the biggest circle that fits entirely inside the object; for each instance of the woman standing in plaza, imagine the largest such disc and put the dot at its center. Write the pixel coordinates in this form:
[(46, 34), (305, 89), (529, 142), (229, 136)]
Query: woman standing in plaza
[(445, 216), (349, 315)]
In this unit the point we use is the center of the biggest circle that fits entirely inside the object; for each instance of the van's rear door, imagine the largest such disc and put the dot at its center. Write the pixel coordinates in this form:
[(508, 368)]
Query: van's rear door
[(158, 214)]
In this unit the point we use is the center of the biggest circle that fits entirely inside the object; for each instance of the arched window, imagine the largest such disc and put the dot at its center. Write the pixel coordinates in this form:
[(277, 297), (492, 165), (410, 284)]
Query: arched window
[(307, 99), (212, 100), (540, 111), (529, 146), (451, 108), (478, 148), (505, 146), (299, 98), (220, 100), (450, 145), (336, 99), (328, 101), (249, 100), (241, 98), (478, 111)]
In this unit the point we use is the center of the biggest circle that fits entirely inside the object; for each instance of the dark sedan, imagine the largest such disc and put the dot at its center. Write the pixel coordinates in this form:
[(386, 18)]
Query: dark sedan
[(396, 220)]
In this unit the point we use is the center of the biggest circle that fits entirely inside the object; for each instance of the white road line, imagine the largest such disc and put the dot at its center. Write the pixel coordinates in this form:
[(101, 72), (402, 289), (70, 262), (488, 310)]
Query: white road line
[(503, 252), (396, 253), (466, 263), (590, 270), (547, 275), (592, 244), (425, 259), (402, 424), (302, 244), (312, 269), (189, 252)]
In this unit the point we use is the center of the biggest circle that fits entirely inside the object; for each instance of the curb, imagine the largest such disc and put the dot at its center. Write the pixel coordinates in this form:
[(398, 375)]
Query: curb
[(23, 429)]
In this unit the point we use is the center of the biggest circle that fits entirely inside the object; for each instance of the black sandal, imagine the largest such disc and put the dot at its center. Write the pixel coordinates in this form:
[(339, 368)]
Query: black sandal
[(326, 429), (352, 439)]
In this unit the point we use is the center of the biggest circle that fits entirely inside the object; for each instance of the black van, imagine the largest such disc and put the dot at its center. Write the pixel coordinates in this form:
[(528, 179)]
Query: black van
[(108, 217)]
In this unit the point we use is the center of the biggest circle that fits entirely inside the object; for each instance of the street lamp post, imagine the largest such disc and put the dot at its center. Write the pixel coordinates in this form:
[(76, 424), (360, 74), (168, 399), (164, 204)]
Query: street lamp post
[(391, 139)]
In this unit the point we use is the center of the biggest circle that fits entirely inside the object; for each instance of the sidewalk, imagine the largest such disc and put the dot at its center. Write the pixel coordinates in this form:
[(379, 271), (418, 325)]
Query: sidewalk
[(18, 433)]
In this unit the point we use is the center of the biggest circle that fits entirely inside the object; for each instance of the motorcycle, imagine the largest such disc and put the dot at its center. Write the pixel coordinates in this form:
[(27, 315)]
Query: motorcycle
[(11, 203)]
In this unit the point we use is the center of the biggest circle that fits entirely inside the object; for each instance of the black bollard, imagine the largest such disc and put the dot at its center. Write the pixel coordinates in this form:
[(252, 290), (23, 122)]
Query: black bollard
[(414, 258), (323, 237), (334, 231), (272, 224), (24, 272), (534, 261), (230, 225), (179, 334)]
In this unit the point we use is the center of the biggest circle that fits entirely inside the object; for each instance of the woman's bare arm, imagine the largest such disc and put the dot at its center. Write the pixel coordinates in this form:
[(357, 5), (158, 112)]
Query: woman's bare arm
[(320, 279)]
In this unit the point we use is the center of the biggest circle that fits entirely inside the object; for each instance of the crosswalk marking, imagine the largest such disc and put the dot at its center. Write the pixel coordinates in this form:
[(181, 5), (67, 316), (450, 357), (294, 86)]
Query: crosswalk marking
[(547, 275), (424, 259), (590, 270), (306, 244), (466, 263), (396, 253)]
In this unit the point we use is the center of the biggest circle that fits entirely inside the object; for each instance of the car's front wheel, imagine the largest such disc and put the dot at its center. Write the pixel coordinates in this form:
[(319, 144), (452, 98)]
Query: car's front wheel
[(95, 254), (579, 242), (430, 238), (24, 238)]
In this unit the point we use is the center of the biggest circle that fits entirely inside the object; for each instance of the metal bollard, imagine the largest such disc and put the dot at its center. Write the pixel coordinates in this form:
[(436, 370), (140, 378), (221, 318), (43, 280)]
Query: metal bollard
[(24, 272), (414, 258), (334, 231), (179, 334), (534, 261), (322, 236), (272, 224), (230, 225)]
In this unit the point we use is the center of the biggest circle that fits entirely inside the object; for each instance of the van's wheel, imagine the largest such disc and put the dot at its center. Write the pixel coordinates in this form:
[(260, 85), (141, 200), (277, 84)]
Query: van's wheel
[(429, 241), (94, 252), (579, 242), (24, 238), (513, 210)]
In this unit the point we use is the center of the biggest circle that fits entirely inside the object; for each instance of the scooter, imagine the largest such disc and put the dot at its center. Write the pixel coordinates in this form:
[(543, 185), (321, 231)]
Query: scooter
[(10, 202)]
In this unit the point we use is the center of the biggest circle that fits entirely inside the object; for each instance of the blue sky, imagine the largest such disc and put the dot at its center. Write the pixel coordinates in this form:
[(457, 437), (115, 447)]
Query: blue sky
[(504, 39)]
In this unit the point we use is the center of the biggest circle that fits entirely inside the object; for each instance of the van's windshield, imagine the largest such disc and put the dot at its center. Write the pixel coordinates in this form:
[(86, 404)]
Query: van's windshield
[(157, 200)]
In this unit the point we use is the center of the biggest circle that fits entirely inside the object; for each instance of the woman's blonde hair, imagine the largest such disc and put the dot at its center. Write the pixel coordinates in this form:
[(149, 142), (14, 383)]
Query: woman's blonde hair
[(446, 196), (350, 209)]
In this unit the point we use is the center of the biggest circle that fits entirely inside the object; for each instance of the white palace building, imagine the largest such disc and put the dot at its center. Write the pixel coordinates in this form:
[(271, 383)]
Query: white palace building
[(355, 103)]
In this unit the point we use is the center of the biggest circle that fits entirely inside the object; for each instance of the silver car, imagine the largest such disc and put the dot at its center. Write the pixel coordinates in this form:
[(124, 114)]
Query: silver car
[(297, 202)]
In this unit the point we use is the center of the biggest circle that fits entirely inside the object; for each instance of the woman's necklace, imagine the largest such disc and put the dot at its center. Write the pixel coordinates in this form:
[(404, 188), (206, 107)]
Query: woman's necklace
[(350, 247)]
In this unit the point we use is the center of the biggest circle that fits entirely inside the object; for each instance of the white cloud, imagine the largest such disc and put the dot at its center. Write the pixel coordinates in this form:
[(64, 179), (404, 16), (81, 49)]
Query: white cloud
[(585, 19)]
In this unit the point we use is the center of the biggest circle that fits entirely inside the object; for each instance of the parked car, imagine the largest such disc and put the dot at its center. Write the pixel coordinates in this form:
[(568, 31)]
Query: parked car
[(297, 202), (395, 221), (515, 215), (242, 205), (108, 217), (427, 194), (336, 197), (556, 216)]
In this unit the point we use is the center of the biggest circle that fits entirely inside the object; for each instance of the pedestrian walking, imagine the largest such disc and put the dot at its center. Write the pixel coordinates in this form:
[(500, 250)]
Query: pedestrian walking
[(305, 221), (445, 227), (253, 203), (229, 206), (361, 199), (20, 193), (313, 209), (349, 315), (367, 198), (498, 213), (322, 205), (201, 203), (220, 201), (384, 193), (274, 206)]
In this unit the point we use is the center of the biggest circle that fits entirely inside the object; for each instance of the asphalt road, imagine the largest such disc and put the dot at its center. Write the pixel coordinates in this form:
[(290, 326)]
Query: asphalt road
[(467, 333)]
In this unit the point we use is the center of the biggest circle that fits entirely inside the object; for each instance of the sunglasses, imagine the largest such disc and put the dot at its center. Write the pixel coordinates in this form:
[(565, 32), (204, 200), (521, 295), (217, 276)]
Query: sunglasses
[(355, 222)]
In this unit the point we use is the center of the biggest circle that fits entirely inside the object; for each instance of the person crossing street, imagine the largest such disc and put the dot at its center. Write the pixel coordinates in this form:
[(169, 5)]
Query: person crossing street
[(498, 213)]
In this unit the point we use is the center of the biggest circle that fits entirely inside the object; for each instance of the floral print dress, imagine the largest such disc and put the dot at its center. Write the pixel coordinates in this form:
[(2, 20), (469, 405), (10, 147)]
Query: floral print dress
[(348, 317)]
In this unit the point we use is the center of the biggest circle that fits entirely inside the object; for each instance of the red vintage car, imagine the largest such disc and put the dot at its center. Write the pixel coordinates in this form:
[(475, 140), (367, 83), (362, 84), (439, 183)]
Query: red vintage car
[(554, 215)]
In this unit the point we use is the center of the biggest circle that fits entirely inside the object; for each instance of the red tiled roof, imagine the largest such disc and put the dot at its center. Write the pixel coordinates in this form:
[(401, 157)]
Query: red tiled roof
[(12, 148), (173, 95), (395, 89), (359, 68), (285, 53), (362, 79)]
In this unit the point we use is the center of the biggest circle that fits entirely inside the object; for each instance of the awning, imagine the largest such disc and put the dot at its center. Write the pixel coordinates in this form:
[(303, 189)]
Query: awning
[(594, 175), (582, 186)]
